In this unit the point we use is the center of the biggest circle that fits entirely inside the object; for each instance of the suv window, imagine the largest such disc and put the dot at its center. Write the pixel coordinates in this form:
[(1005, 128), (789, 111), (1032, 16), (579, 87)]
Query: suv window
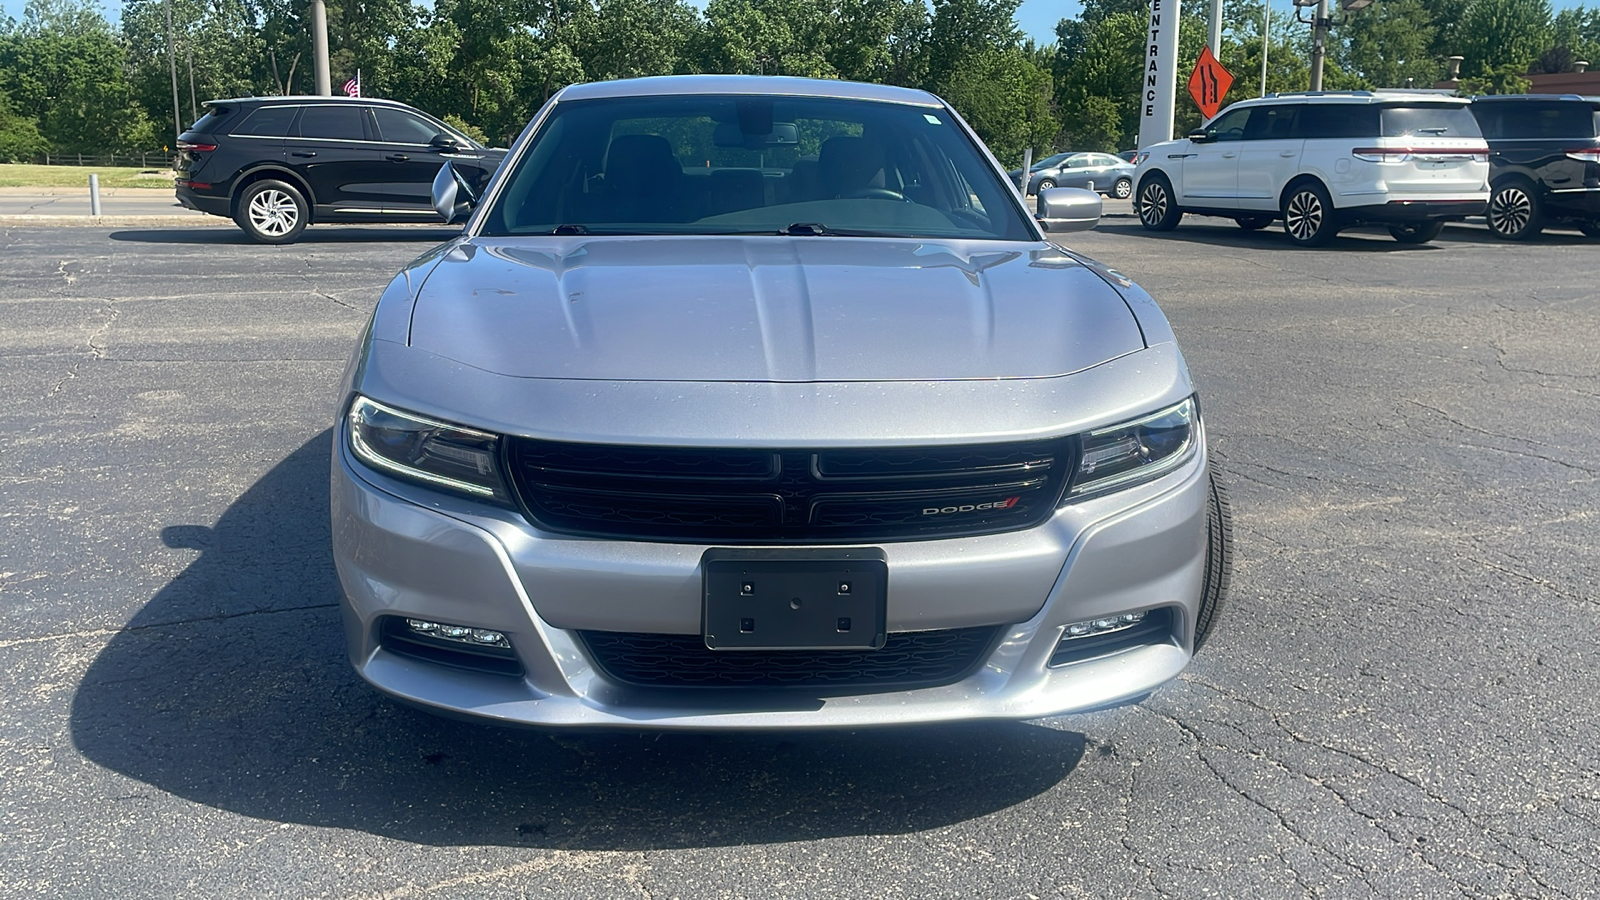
[(1431, 121), (1273, 123), (268, 121), (208, 122), (1336, 120), (401, 127), (1512, 119), (1229, 126), (336, 122)]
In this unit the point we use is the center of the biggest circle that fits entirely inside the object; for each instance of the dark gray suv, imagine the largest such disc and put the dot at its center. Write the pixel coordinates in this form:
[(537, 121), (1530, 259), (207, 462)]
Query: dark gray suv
[(277, 164)]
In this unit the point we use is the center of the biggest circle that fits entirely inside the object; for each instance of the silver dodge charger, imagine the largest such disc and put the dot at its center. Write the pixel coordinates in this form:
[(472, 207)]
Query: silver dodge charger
[(766, 403)]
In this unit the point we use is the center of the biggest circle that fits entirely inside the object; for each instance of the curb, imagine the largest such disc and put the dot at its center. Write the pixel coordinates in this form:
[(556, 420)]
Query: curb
[(198, 219)]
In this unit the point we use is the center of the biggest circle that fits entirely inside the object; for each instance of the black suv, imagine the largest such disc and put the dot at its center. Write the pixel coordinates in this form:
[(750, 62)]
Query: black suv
[(1544, 162), (276, 164)]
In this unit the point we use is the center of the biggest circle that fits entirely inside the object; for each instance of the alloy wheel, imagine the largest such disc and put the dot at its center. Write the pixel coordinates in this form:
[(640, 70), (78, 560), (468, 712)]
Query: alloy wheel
[(274, 213), (1153, 204), (1124, 188), (1510, 211), (1303, 216)]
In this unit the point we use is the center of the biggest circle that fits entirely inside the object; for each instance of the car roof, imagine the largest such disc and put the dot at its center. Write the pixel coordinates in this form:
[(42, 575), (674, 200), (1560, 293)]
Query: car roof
[(1362, 97), (780, 85), (307, 98), (1544, 98)]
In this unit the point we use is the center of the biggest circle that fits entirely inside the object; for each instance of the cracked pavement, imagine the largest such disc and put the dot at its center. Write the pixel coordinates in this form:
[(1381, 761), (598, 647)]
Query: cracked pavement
[(1399, 701)]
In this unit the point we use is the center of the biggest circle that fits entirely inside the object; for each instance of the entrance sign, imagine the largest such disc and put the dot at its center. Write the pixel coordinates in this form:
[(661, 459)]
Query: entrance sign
[(1158, 96), (1209, 83)]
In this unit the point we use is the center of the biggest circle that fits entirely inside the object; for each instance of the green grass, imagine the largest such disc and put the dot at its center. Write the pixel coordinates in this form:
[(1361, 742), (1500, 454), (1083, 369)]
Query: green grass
[(22, 175)]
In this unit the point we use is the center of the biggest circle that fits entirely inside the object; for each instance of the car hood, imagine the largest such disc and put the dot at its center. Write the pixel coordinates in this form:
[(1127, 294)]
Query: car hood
[(768, 309)]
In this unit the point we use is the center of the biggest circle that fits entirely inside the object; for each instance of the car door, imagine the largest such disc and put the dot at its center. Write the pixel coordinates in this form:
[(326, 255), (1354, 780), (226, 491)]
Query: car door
[(1269, 155), (412, 159), (1075, 170), (331, 149), (1211, 172)]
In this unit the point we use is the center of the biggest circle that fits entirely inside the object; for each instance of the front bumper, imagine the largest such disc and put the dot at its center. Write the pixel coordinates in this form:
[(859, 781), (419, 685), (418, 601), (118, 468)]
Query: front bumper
[(408, 552)]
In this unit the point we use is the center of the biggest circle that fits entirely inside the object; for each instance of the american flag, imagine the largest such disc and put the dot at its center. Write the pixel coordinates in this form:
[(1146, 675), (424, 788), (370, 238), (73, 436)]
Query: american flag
[(352, 88)]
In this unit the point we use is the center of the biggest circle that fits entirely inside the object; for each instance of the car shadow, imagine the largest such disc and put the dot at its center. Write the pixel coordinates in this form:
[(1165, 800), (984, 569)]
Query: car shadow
[(230, 688), (1223, 233), (322, 234)]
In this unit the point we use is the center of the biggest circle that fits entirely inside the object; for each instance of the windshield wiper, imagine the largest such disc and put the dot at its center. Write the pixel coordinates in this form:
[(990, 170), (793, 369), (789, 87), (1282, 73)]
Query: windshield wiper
[(817, 229)]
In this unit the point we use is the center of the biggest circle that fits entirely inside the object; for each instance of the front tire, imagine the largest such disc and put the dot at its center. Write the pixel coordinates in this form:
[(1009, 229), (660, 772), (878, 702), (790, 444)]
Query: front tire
[(1045, 184), (272, 212), (1308, 215), (1124, 188), (1515, 213), (1219, 560), (1416, 233), (1156, 207)]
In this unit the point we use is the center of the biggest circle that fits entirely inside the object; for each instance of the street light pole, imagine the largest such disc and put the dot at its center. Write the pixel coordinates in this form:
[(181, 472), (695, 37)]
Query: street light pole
[(1266, 40), (1319, 42), (319, 46), (1214, 33)]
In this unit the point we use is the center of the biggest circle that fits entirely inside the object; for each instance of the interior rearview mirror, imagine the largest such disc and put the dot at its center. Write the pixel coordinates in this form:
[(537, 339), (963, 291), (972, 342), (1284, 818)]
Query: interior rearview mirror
[(1069, 209)]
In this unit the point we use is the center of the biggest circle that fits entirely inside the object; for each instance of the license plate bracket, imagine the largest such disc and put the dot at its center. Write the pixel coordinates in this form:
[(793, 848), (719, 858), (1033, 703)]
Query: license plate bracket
[(802, 599)]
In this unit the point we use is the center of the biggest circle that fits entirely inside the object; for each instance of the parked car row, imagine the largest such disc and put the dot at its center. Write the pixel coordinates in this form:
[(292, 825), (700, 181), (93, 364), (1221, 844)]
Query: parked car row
[(1320, 162)]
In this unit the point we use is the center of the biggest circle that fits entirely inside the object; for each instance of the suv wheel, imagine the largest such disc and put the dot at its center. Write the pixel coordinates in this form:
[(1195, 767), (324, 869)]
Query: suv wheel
[(1253, 223), (1514, 212), (1417, 232), (1219, 560), (272, 212), (1308, 215), (1156, 210), (1124, 188)]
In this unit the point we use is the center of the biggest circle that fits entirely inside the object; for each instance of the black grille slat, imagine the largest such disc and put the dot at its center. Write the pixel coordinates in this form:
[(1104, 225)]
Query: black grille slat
[(909, 659), (734, 496)]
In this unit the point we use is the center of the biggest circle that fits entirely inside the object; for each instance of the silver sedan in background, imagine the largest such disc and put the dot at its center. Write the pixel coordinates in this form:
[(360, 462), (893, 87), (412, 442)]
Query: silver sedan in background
[(751, 402), (1100, 172)]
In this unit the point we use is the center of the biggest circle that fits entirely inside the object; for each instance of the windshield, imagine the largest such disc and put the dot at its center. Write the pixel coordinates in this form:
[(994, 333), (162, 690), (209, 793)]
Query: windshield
[(1049, 161), (754, 165)]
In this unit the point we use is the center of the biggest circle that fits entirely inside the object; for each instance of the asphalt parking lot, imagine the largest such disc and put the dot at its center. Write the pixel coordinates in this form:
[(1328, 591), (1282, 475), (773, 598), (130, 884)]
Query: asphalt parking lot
[(1400, 701)]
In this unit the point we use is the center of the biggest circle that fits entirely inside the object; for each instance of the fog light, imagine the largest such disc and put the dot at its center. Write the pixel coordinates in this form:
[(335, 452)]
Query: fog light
[(484, 636), (1096, 627), (422, 626)]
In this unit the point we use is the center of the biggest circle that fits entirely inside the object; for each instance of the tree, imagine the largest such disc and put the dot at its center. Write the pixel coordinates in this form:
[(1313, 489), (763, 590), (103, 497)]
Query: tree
[(1498, 33)]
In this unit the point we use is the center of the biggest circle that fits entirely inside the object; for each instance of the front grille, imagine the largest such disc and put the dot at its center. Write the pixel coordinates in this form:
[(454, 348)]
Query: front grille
[(799, 496), (908, 660)]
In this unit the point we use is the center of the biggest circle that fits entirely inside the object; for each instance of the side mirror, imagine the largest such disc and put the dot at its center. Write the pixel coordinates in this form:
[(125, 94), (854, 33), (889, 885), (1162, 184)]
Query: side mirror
[(1069, 209), (444, 143), (1198, 135), (453, 197)]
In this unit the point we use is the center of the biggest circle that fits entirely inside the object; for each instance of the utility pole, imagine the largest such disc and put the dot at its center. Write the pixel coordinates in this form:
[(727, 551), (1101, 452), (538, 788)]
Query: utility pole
[(319, 45), (1214, 34), (172, 64), (1319, 42), (1266, 40)]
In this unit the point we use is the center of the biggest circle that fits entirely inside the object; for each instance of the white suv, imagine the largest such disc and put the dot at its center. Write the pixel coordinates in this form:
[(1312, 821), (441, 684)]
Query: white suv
[(1322, 161)]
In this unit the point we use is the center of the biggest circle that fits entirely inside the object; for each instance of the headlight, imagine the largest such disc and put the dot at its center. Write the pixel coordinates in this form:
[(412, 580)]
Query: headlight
[(1136, 451), (425, 450)]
